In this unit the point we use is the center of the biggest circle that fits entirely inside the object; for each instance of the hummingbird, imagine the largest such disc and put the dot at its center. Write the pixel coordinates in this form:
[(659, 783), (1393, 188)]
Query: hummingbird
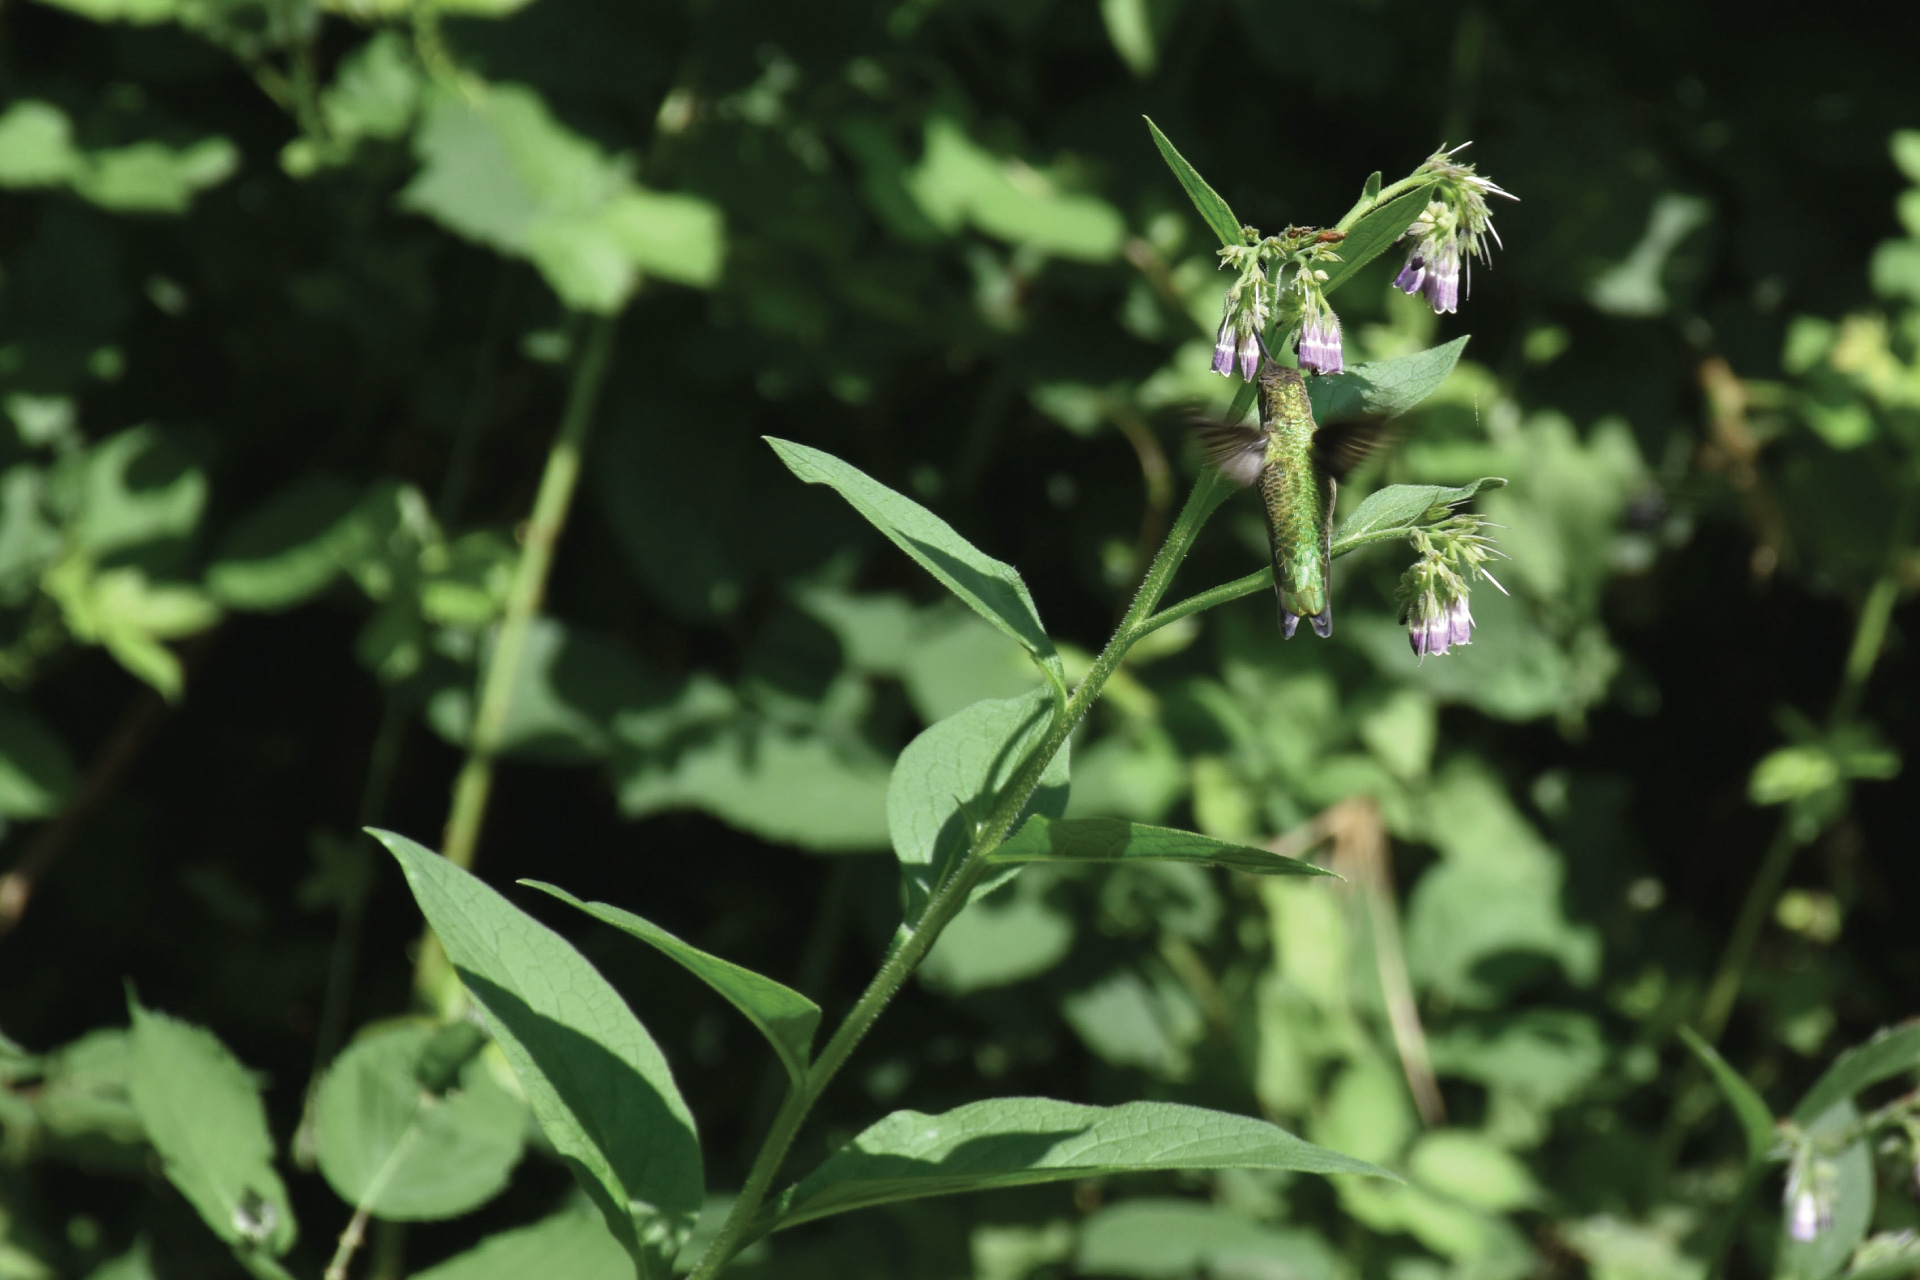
[(1298, 466)]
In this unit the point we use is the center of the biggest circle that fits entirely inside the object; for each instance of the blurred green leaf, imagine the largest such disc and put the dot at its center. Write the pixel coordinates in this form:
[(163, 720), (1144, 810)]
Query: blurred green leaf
[(597, 1083), (945, 780), (202, 1113), (1749, 1108), (1213, 210), (36, 146), (1384, 388), (1011, 1142), (1392, 511), (958, 181), (1371, 236), (572, 1243), (1472, 1170), (785, 1017), (1043, 839), (1166, 1239), (782, 784), (1892, 1051), (149, 177), (37, 773), (497, 168), (992, 589), (287, 550), (1006, 936), (134, 489), (408, 1153)]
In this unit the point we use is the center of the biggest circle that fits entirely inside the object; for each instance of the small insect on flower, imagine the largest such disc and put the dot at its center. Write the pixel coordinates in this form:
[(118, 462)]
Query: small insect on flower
[(1449, 233)]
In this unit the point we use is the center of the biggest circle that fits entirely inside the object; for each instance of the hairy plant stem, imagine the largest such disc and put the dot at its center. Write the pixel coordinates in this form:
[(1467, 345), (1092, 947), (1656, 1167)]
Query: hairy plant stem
[(745, 1222), (539, 537)]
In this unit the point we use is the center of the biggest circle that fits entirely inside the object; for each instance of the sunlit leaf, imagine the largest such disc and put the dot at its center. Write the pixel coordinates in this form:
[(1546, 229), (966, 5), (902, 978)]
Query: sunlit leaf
[(572, 1243), (597, 1083), (203, 1114), (1044, 839), (785, 1017), (408, 1153), (945, 780), (1012, 1142), (992, 589), (1213, 210), (1383, 388), (1392, 511)]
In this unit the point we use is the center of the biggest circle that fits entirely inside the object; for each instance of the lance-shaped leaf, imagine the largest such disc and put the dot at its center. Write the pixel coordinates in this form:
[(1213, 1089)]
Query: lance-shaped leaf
[(946, 779), (785, 1017), (596, 1081), (1383, 388), (1390, 512), (992, 589), (202, 1112), (1370, 237), (570, 1244), (1044, 839), (1755, 1117), (1890, 1053), (1013, 1142), (1213, 209)]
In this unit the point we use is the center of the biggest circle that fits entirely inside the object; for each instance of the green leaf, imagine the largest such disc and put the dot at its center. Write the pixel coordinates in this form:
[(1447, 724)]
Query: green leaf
[(1852, 1188), (958, 180), (497, 168), (406, 1152), (37, 773), (135, 489), (1043, 839), (1894, 1051), (785, 1017), (36, 146), (1754, 1115), (570, 1244), (1370, 237), (1392, 511), (596, 1081), (780, 783), (1213, 210), (287, 550), (947, 778), (1013, 1142), (203, 1115), (993, 590), (1383, 388), (1168, 1239), (1472, 1169), (150, 177)]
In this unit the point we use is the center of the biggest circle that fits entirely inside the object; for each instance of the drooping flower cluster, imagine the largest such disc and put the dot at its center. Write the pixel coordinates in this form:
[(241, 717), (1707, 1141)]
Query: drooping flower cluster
[(1247, 311), (1319, 348), (1449, 233), (1434, 590), (1809, 1195)]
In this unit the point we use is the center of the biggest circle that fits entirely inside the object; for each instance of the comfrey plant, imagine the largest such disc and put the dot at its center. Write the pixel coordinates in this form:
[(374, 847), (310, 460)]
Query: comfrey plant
[(404, 1123)]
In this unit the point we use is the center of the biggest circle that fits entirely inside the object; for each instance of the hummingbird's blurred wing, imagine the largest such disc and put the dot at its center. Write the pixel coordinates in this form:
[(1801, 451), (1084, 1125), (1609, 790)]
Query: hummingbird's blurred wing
[(1341, 446), (1238, 450)]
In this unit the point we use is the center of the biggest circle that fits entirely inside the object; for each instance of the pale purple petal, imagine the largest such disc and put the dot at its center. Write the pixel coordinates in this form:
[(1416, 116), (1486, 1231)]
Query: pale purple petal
[(1249, 355), (1223, 350), (1320, 345)]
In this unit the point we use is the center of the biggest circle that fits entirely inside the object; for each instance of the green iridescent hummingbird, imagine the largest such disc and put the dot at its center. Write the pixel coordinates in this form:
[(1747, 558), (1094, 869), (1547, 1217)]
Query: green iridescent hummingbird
[(1298, 465)]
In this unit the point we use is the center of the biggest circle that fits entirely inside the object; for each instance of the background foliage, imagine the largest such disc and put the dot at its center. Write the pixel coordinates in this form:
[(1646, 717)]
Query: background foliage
[(290, 297)]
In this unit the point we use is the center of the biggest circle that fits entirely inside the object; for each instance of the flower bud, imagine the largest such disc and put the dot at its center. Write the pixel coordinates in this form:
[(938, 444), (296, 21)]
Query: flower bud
[(1223, 349)]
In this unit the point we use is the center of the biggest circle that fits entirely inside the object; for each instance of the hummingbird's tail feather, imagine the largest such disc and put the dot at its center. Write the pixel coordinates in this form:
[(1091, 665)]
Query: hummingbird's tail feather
[(1323, 622), (1288, 621)]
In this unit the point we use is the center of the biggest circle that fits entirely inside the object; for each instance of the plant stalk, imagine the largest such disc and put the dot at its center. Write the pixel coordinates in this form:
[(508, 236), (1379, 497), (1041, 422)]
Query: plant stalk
[(539, 537), (743, 1222)]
